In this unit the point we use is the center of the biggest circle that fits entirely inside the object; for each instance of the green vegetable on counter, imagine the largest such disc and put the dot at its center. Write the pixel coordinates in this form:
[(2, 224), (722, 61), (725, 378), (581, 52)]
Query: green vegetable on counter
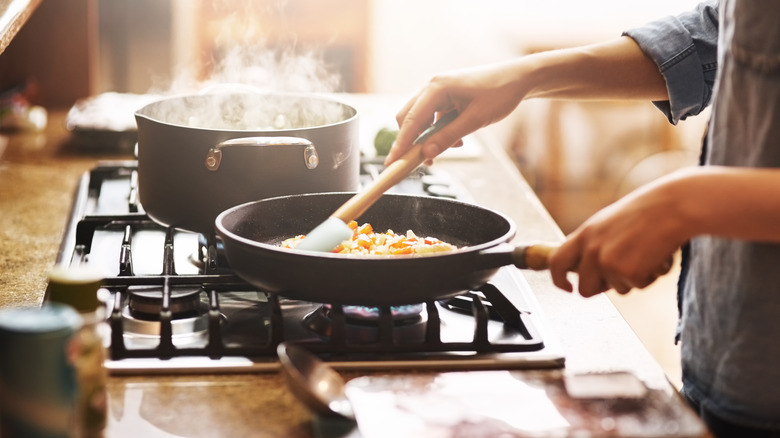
[(384, 140)]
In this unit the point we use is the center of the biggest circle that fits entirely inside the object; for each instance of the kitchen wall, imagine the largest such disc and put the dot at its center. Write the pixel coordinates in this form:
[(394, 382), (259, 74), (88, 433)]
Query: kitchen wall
[(440, 34), (135, 49)]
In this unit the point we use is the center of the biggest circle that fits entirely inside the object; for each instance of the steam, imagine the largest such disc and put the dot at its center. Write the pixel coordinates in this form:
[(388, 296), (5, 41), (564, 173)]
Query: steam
[(275, 71), (248, 111), (253, 87)]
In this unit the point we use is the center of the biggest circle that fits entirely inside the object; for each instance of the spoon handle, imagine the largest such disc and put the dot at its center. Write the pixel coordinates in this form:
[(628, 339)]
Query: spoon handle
[(392, 175)]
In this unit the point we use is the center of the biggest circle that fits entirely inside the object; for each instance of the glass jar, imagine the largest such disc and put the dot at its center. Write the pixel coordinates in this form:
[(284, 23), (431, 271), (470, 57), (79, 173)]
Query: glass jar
[(80, 288)]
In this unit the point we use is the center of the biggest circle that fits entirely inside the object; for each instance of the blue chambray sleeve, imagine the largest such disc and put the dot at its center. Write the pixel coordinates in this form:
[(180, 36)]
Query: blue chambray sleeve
[(685, 49)]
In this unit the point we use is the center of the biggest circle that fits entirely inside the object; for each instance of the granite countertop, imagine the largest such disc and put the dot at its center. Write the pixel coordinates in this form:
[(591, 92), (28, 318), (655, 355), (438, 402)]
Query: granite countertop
[(38, 175)]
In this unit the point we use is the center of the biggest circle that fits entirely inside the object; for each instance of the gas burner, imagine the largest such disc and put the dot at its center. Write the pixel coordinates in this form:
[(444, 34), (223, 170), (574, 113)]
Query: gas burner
[(361, 323), (185, 332), (401, 315), (142, 315), (146, 302)]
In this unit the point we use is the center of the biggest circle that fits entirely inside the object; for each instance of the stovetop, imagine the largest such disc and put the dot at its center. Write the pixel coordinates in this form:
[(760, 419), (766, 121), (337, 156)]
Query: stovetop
[(212, 321)]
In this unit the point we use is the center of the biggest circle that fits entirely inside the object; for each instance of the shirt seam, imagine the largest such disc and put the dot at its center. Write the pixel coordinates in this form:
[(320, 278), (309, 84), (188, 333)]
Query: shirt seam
[(676, 59)]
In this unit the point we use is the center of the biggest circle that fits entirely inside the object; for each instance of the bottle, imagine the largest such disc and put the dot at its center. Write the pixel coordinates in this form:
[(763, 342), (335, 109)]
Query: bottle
[(37, 383), (79, 288)]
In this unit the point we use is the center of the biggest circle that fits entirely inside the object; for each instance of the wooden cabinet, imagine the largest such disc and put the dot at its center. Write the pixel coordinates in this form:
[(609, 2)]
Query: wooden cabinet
[(13, 15), (54, 52)]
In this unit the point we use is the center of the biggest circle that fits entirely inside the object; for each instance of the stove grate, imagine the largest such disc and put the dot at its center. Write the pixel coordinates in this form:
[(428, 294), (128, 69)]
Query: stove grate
[(271, 321)]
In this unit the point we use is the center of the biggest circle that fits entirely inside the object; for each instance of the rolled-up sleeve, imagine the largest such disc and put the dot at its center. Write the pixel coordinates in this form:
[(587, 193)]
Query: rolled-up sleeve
[(685, 49)]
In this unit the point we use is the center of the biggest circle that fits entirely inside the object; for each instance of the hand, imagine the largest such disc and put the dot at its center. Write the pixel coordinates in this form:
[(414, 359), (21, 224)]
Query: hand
[(481, 96), (615, 69), (626, 245)]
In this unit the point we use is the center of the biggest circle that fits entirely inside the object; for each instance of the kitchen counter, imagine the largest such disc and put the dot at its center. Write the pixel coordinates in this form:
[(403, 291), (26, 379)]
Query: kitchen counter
[(40, 171)]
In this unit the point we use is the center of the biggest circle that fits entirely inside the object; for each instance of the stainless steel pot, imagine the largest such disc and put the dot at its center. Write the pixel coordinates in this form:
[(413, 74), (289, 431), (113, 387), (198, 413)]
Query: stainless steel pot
[(201, 154)]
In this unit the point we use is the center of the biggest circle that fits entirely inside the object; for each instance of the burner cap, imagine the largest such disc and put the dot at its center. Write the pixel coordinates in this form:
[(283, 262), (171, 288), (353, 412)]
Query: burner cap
[(147, 300), (361, 324)]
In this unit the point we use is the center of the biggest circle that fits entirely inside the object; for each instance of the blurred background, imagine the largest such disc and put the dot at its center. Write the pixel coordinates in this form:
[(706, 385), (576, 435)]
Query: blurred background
[(577, 156)]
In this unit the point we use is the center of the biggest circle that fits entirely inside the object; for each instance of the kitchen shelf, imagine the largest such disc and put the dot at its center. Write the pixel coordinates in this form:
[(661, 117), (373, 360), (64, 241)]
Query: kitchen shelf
[(13, 15)]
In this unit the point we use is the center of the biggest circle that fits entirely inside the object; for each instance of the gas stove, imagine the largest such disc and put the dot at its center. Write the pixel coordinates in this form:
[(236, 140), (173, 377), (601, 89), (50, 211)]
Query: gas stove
[(174, 306)]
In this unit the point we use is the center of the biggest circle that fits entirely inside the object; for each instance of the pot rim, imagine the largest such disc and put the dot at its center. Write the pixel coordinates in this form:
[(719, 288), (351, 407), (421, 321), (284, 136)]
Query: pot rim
[(142, 113)]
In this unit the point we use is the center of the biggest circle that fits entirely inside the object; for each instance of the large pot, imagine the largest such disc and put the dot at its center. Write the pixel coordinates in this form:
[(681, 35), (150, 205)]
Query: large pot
[(201, 154)]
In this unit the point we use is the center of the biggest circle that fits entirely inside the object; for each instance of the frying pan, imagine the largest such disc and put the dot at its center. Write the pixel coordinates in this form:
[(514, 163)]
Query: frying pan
[(251, 234)]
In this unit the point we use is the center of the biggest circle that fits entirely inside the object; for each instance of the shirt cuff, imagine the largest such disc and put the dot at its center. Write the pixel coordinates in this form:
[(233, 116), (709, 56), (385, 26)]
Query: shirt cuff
[(670, 45)]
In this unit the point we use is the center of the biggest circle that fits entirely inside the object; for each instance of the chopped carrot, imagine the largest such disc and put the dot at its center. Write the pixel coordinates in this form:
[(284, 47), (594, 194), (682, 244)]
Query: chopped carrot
[(365, 229), (365, 241)]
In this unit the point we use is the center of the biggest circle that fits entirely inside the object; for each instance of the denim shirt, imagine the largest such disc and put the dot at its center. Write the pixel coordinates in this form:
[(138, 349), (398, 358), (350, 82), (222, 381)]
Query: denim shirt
[(728, 54)]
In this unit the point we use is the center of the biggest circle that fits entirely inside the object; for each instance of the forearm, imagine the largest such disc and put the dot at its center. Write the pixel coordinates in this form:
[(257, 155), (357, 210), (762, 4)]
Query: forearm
[(737, 203), (616, 69), (486, 94)]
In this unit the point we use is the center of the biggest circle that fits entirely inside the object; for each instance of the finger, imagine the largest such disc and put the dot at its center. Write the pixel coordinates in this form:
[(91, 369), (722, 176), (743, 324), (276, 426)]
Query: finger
[(413, 119), (643, 280), (433, 150), (561, 280), (562, 261), (452, 135), (665, 267), (653, 276), (591, 281), (434, 146), (620, 285), (401, 114), (650, 279), (617, 279), (400, 144)]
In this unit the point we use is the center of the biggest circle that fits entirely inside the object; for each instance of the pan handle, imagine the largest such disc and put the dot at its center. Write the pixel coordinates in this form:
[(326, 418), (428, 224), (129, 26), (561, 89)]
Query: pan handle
[(531, 256), (535, 256), (310, 157)]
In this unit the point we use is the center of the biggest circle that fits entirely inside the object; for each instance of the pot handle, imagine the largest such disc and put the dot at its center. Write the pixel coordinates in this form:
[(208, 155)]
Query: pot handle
[(310, 157)]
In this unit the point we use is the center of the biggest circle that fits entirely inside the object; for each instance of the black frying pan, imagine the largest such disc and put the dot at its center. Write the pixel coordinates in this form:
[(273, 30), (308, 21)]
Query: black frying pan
[(251, 234)]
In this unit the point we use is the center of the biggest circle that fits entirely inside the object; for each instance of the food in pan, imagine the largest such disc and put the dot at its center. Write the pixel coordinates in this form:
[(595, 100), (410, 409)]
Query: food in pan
[(365, 241)]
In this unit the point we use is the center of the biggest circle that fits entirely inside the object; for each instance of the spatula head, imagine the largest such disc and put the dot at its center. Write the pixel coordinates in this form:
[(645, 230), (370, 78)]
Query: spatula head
[(326, 236)]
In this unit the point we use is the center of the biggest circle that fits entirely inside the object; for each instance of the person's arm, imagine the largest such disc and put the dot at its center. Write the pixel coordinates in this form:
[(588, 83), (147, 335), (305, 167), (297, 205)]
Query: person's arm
[(626, 244), (671, 61), (616, 69)]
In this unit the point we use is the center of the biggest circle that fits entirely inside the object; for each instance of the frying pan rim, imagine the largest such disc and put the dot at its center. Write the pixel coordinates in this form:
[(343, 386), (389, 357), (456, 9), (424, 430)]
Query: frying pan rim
[(505, 238), (141, 112)]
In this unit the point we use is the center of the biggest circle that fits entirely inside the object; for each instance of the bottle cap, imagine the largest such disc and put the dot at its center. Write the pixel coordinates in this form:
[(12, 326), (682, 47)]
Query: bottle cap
[(49, 319), (76, 286)]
